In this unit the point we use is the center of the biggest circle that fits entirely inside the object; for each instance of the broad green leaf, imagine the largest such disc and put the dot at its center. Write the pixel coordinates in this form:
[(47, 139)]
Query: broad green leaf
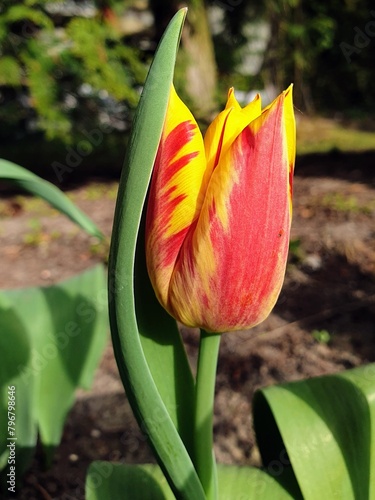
[(325, 428), (51, 340), (106, 480), (153, 391), (11, 358), (39, 187), (363, 380), (146, 482), (249, 483), (15, 349)]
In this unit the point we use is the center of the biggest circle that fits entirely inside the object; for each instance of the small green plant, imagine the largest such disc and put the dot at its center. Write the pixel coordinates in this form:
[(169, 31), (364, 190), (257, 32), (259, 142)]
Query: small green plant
[(100, 249), (296, 253), (97, 191), (321, 336), (346, 204), (35, 236)]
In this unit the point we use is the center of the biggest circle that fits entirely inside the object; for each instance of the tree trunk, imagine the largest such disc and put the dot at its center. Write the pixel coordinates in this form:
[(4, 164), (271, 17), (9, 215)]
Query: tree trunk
[(198, 51)]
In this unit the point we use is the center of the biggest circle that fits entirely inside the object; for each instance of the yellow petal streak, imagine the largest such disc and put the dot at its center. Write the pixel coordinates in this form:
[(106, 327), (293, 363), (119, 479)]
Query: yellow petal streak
[(227, 126), (176, 193), (187, 181), (290, 125)]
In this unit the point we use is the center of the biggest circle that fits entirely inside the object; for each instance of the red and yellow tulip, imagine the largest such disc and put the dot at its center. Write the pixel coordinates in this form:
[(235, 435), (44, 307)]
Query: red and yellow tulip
[(219, 213)]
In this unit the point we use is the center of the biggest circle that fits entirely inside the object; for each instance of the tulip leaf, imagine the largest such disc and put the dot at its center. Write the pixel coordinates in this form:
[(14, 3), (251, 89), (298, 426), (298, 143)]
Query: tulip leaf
[(39, 187), (249, 483), (51, 341), (147, 482), (325, 428), (316, 438), (106, 480), (13, 361), (148, 349)]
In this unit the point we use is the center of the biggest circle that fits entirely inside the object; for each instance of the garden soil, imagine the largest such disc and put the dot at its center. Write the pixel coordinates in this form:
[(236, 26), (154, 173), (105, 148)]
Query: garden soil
[(324, 320)]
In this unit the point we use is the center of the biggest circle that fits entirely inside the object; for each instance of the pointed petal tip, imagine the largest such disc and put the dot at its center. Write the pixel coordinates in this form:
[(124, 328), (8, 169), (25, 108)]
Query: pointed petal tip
[(257, 98), (289, 91), (286, 94), (231, 100)]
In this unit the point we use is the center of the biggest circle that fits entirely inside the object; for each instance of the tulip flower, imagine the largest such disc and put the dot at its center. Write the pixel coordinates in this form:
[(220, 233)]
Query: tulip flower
[(219, 213)]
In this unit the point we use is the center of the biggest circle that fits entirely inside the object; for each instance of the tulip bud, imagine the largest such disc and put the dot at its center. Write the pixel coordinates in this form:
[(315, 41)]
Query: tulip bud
[(219, 213)]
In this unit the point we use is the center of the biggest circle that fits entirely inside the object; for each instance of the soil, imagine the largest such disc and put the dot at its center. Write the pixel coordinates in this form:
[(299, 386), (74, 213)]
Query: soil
[(324, 320)]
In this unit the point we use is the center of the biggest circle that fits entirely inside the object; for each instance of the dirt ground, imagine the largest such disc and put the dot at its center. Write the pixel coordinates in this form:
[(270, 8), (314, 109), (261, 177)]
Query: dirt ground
[(323, 322)]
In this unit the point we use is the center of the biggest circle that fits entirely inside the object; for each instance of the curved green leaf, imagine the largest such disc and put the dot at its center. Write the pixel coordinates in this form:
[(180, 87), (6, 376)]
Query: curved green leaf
[(249, 483), (39, 187), (160, 343), (60, 332), (15, 349), (146, 482), (325, 427), (106, 480)]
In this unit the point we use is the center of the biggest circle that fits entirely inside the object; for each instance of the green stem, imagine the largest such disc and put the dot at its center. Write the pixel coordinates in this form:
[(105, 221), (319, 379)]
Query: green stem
[(204, 408)]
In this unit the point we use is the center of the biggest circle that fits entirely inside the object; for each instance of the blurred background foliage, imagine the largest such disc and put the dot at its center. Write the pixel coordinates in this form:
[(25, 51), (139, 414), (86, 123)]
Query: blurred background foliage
[(64, 65), (68, 66)]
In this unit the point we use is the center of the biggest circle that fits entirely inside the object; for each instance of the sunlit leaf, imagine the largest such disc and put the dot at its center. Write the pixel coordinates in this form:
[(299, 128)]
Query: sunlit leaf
[(323, 430), (51, 341), (146, 482), (39, 187)]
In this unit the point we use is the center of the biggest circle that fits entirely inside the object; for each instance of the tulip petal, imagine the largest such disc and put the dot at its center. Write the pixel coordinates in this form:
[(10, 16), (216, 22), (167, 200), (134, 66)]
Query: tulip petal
[(227, 126), (290, 126), (231, 265), (290, 130), (289, 123), (176, 194)]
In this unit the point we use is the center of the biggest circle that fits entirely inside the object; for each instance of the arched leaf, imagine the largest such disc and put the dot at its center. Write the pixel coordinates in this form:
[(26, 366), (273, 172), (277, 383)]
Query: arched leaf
[(147, 346), (325, 427), (39, 187)]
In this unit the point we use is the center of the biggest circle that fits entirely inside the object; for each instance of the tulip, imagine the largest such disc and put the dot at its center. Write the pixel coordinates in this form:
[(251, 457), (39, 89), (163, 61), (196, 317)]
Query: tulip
[(219, 213)]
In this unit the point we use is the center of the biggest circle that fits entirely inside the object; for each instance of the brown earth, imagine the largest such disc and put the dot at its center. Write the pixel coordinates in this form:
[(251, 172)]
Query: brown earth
[(328, 295)]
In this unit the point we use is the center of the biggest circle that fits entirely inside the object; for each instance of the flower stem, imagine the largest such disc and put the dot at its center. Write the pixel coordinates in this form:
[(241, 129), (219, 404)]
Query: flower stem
[(204, 406)]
